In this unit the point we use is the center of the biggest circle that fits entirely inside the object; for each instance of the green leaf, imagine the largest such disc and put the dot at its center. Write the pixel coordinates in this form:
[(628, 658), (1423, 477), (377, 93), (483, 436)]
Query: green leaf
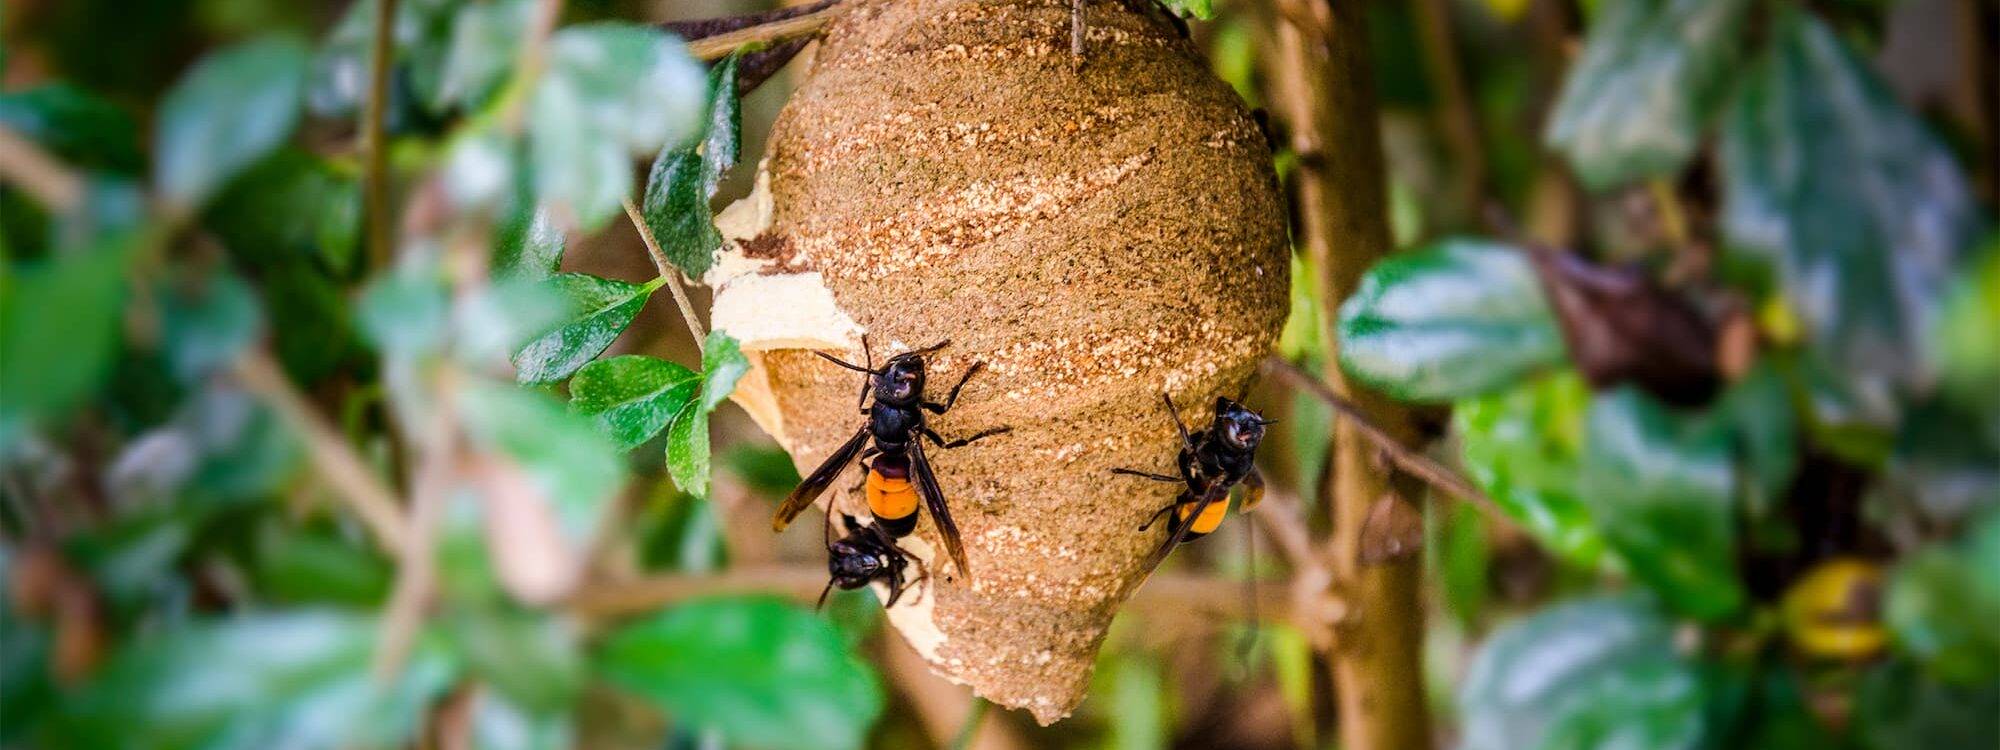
[(291, 206), (610, 90), (527, 243), (534, 660), (59, 329), (498, 724), (485, 39), (76, 126), (683, 179), (760, 672), (226, 113), (1896, 707), (1945, 463), (599, 310), (1757, 415), (1942, 603), (572, 466), (1590, 673), (256, 681), (1863, 213), (1652, 75), (1967, 354), (206, 323), (634, 397), (1663, 490), (406, 312), (422, 36), (1461, 317), (1524, 447), (1202, 9), (295, 566)]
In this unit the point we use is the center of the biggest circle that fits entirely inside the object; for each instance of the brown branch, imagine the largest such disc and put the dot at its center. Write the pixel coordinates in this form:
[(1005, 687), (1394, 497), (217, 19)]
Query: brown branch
[(374, 136), (416, 566), (1323, 86), (43, 177), (668, 272), (719, 46), (352, 480), (1409, 460)]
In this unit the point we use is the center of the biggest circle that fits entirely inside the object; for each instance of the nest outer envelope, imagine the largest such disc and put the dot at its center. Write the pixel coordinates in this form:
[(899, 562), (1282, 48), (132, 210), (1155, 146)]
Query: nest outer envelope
[(1095, 236)]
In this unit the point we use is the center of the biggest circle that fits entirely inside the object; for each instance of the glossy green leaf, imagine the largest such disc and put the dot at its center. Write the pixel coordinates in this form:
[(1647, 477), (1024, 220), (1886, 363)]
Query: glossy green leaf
[(1590, 673), (1942, 604), (1652, 75), (205, 323), (634, 397), (1524, 447), (1897, 707), (1663, 490), (527, 243), (760, 672), (256, 681), (226, 113), (59, 329), (572, 465), (683, 178), (75, 126), (1458, 318), (598, 311), (610, 90), (1861, 211)]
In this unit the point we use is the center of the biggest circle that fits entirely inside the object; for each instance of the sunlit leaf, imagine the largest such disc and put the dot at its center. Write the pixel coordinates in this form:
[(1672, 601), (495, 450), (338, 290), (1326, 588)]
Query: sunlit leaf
[(1524, 447), (1652, 75), (227, 112), (527, 243), (634, 397), (1662, 488), (760, 672), (1591, 673), (610, 90), (256, 681), (1861, 211), (598, 311), (1458, 318)]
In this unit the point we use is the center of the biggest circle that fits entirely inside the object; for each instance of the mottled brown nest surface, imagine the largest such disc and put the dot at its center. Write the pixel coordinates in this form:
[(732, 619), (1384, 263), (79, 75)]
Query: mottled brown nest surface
[(1095, 235)]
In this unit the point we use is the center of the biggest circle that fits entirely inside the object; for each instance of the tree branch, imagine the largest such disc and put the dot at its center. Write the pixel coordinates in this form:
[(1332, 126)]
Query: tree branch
[(1416, 464), (26, 166), (719, 46), (352, 480), (668, 272), (374, 137)]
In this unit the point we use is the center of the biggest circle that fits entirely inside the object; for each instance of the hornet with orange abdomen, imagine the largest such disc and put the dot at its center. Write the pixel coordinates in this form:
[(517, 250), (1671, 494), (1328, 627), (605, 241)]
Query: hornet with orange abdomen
[(1211, 463), (898, 473)]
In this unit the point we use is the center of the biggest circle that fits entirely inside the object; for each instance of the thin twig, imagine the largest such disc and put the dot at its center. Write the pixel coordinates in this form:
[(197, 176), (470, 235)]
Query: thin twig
[(374, 137), (352, 480), (1417, 464), (28, 167), (668, 272), (1672, 219), (416, 566), (719, 46)]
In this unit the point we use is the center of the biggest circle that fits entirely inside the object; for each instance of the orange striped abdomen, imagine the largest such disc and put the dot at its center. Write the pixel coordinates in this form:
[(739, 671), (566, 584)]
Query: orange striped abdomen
[(891, 497)]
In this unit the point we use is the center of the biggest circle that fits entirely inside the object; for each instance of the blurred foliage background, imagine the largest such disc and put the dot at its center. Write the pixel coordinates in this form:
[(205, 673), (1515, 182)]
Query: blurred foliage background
[(317, 436)]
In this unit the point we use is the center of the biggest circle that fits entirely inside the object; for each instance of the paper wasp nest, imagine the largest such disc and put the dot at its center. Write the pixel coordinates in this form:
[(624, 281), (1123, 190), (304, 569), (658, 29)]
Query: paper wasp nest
[(1094, 235)]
